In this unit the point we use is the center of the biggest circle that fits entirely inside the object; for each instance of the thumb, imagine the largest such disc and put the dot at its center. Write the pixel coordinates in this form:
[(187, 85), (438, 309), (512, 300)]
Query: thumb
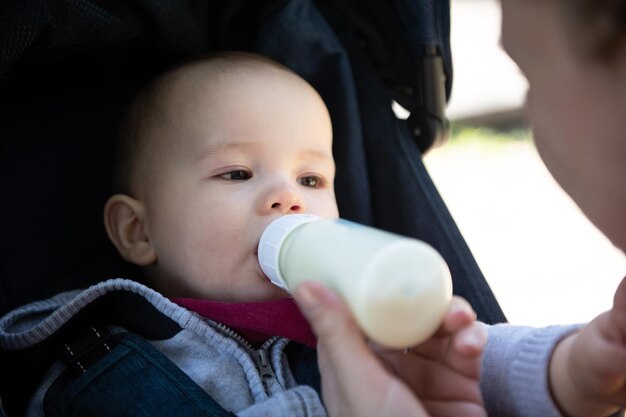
[(327, 313), (354, 381)]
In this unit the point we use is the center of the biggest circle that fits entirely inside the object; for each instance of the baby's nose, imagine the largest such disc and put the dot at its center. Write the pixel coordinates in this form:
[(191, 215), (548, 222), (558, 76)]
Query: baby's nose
[(286, 200)]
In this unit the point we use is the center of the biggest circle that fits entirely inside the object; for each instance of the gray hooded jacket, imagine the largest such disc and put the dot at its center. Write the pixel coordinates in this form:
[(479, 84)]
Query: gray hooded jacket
[(514, 378)]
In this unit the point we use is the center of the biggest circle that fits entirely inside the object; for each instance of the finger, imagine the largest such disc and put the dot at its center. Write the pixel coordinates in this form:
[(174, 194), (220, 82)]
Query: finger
[(326, 312), (599, 356), (346, 361), (464, 354), (460, 314), (337, 331), (471, 340)]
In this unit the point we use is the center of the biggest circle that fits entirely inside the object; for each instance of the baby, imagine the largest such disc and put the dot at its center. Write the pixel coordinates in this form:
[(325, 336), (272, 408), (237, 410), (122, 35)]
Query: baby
[(214, 151), (223, 147), (210, 153)]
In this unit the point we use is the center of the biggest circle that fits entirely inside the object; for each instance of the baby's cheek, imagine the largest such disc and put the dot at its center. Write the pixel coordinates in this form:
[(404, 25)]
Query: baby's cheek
[(326, 206)]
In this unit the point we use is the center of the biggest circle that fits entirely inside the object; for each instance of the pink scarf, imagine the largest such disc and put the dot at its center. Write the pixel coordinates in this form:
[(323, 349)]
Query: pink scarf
[(256, 322)]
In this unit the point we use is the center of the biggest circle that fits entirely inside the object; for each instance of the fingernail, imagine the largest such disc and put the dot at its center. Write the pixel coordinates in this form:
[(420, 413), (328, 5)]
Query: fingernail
[(474, 339), (471, 340), (463, 309)]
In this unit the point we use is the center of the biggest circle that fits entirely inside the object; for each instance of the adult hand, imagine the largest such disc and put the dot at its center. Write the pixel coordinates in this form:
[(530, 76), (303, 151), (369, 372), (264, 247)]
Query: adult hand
[(438, 377), (588, 368)]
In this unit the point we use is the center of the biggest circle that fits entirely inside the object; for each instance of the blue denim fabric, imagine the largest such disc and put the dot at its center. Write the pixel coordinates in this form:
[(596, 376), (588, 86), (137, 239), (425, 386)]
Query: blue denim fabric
[(122, 382)]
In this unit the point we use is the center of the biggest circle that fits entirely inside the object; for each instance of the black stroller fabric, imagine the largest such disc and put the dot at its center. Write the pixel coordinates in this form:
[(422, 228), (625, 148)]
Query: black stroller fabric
[(68, 67)]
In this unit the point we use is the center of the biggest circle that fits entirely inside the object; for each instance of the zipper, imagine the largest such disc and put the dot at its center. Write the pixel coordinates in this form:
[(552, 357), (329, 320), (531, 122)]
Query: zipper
[(260, 355), (264, 366)]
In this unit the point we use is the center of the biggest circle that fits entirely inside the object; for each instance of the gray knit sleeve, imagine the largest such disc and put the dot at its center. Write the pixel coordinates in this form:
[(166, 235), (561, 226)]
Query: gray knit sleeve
[(514, 378)]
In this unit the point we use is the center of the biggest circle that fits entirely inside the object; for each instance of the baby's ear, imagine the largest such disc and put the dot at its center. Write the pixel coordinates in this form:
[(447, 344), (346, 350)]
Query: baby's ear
[(124, 220)]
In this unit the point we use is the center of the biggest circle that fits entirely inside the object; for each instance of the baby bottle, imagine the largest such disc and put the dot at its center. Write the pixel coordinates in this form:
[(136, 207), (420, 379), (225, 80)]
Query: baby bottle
[(397, 288)]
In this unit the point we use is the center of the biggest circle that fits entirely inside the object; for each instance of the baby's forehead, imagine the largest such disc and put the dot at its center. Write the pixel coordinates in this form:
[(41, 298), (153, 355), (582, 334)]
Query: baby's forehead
[(209, 93), (206, 77)]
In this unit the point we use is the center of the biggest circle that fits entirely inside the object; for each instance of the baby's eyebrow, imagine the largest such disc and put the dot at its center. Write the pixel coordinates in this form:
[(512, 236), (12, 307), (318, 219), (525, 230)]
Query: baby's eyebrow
[(315, 154), (221, 148), (248, 146)]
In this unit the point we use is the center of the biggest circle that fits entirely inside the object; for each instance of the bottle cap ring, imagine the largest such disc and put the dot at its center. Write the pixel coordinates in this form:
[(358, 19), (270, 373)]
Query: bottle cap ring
[(271, 241)]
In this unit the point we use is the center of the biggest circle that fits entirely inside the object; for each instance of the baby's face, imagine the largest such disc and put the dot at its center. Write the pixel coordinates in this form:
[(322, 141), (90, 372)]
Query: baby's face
[(234, 154)]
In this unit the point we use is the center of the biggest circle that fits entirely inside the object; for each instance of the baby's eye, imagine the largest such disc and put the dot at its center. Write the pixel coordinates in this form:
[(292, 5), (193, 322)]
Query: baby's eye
[(311, 181), (236, 175)]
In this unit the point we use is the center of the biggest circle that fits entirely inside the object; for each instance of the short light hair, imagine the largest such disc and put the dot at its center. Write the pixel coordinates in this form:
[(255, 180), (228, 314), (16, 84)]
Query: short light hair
[(145, 110)]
